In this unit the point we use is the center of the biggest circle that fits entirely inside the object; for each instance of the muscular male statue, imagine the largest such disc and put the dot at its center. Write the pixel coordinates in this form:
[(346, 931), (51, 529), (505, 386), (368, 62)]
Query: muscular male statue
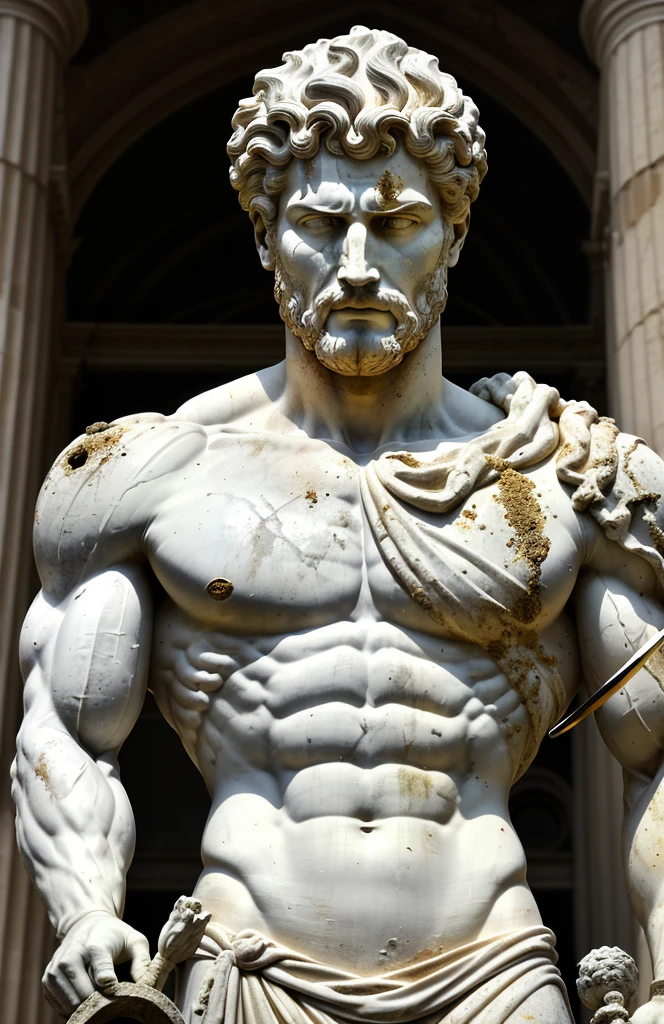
[(359, 594)]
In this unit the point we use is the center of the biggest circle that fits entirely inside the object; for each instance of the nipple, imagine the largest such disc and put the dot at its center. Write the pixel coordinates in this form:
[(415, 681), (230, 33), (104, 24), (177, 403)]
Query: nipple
[(220, 589)]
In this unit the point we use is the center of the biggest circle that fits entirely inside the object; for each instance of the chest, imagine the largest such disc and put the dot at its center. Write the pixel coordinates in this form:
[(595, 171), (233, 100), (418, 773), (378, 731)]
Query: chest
[(272, 536)]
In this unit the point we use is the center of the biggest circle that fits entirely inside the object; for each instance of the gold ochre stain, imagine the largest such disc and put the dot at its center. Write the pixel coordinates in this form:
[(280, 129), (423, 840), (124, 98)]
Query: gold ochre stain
[(466, 519), (414, 784), (516, 493), (220, 589), (98, 444), (389, 186), (256, 446), (406, 458), (41, 771), (511, 729), (657, 537), (311, 497), (655, 668)]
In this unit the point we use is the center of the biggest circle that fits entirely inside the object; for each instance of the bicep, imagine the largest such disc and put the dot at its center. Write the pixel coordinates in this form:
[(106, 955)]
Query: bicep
[(616, 613), (86, 658)]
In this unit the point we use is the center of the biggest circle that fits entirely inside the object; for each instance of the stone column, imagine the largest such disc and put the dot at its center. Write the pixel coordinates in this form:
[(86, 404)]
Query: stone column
[(36, 39), (602, 911), (626, 40)]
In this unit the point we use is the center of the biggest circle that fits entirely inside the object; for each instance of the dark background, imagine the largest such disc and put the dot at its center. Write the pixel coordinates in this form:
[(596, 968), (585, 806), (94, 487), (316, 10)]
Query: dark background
[(162, 239)]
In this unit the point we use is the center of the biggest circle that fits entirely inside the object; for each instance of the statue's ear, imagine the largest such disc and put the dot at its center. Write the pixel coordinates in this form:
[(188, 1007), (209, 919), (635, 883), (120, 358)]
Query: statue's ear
[(455, 252), (263, 241), (460, 231)]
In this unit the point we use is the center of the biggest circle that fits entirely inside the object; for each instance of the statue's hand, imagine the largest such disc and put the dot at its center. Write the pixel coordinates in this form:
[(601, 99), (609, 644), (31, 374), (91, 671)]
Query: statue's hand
[(84, 960), (651, 1012)]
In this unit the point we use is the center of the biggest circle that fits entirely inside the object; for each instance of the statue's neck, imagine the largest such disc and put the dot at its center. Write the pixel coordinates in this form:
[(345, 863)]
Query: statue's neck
[(406, 403)]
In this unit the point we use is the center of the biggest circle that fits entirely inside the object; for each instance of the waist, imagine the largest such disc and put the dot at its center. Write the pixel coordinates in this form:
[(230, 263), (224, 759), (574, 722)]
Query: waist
[(506, 967), (363, 896)]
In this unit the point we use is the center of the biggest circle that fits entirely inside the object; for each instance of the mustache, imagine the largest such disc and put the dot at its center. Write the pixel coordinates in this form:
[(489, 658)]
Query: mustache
[(360, 298), (335, 297)]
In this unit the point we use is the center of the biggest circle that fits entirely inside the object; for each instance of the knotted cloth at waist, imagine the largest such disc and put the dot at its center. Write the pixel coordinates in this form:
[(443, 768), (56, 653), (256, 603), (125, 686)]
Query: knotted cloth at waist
[(252, 980)]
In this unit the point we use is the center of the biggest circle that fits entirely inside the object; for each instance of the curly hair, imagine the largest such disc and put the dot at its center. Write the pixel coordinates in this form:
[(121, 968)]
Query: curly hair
[(356, 94)]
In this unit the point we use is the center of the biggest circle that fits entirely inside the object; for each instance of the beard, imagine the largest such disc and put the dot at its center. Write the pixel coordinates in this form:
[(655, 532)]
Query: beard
[(360, 352)]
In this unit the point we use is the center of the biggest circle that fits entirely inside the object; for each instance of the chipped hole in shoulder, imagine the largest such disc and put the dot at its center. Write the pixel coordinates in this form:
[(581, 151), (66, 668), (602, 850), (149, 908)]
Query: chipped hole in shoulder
[(78, 458)]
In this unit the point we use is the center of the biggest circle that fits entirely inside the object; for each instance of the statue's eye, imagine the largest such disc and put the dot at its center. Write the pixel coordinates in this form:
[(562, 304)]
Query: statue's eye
[(399, 223), (319, 222)]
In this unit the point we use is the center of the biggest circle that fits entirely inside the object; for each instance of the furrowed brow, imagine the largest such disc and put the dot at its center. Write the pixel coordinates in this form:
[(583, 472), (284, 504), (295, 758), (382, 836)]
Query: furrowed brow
[(311, 204), (409, 199)]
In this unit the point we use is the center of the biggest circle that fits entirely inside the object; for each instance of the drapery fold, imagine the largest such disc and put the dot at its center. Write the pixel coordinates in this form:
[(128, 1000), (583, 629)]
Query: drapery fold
[(252, 980), (611, 482)]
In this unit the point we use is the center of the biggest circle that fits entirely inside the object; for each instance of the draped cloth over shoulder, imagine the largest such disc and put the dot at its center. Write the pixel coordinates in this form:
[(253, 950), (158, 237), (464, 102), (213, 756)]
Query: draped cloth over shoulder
[(432, 565), (252, 980)]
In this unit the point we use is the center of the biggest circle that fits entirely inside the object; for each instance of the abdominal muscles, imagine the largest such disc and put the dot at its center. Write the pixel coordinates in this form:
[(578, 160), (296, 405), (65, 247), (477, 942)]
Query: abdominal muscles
[(359, 789)]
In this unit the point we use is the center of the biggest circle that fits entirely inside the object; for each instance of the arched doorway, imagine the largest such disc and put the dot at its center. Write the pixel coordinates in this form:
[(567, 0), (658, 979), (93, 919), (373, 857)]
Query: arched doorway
[(166, 298)]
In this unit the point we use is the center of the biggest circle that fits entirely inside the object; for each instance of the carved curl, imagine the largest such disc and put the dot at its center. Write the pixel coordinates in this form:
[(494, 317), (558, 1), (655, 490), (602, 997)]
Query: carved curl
[(604, 970), (357, 94)]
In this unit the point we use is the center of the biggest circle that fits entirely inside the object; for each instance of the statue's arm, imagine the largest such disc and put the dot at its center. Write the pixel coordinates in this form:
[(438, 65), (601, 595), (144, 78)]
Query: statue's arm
[(84, 656), (85, 650), (85, 664), (618, 609), (85, 668)]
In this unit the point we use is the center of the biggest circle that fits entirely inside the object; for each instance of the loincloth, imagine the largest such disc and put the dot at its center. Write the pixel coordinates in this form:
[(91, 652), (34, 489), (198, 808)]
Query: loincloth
[(250, 980)]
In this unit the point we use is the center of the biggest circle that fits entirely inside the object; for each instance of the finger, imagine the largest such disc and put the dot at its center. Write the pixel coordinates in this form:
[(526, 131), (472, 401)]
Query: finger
[(139, 950), (52, 999), (102, 972), (62, 993), (76, 979)]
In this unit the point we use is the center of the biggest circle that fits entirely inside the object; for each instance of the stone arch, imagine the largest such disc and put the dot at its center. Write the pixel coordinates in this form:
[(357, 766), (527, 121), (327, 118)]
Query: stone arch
[(200, 46)]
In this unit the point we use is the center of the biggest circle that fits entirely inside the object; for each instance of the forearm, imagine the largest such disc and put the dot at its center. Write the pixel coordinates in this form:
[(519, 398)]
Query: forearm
[(75, 826), (644, 860)]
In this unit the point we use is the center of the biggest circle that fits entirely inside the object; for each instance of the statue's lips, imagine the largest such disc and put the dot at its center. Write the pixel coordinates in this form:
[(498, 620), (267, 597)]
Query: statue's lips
[(358, 312), (374, 304)]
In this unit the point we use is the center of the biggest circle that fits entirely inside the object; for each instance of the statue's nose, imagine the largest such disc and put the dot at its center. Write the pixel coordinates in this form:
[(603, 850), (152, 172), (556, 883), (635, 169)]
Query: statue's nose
[(354, 269)]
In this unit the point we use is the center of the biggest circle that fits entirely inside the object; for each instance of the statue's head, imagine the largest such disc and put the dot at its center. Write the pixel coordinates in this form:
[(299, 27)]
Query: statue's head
[(357, 161)]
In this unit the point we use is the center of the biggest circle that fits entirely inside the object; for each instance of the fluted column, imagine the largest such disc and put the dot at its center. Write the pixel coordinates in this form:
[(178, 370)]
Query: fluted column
[(36, 39), (626, 40), (602, 911)]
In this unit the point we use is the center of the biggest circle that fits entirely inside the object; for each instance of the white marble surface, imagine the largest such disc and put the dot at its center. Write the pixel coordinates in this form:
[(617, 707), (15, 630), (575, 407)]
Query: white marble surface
[(360, 652), (36, 38)]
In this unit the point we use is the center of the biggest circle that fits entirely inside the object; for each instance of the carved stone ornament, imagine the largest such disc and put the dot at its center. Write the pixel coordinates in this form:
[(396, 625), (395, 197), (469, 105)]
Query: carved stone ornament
[(607, 982)]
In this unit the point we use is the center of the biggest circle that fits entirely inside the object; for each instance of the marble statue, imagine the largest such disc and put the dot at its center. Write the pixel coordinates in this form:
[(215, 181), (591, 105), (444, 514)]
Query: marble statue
[(360, 595)]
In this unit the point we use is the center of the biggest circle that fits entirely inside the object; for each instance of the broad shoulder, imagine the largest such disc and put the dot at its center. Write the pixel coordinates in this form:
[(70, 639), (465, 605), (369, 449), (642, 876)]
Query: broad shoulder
[(238, 403), (96, 499), (642, 465), (628, 527)]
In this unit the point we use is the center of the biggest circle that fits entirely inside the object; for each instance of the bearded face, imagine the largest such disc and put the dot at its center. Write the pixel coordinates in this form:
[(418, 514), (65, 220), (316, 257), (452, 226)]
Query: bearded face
[(360, 252)]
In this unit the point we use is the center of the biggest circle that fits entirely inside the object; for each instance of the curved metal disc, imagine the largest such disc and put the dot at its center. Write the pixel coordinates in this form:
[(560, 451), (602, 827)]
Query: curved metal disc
[(138, 1002), (615, 683)]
